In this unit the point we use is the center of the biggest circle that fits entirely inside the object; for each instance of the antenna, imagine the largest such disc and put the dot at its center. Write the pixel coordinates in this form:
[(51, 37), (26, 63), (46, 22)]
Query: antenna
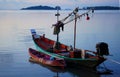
[(57, 14)]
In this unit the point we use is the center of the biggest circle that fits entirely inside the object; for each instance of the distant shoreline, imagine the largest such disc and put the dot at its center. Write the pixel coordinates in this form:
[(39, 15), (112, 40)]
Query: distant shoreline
[(42, 8), (103, 8), (59, 8)]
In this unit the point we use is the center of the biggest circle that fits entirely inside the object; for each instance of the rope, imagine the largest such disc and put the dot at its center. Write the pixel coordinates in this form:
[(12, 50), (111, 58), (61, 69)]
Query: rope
[(114, 61), (78, 16), (74, 11)]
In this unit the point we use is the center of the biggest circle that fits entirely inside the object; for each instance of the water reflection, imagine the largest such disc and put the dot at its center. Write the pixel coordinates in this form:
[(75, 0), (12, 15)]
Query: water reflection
[(74, 72), (57, 71), (82, 73), (5, 59)]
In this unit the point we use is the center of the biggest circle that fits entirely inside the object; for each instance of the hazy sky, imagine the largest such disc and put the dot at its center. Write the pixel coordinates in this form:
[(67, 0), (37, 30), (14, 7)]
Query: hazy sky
[(17, 4)]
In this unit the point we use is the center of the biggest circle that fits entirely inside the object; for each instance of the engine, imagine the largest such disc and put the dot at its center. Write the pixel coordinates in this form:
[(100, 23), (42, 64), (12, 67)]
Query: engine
[(102, 48)]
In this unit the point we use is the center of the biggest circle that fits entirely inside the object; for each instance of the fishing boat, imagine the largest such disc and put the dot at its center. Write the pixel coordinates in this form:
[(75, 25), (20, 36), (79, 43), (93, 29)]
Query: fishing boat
[(73, 56), (78, 57), (46, 59)]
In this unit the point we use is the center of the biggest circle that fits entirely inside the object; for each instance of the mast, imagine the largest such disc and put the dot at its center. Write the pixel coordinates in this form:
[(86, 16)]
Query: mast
[(57, 21), (75, 13), (57, 14), (75, 32), (57, 41)]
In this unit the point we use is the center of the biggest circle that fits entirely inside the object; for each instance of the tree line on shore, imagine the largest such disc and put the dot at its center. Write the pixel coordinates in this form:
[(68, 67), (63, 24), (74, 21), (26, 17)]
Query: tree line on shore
[(59, 8)]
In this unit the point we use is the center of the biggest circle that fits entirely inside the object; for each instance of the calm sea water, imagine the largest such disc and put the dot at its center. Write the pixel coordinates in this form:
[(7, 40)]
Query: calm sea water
[(15, 39)]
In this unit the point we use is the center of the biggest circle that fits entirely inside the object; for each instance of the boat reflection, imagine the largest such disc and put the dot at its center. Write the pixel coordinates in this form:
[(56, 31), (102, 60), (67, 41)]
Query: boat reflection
[(73, 72), (76, 72), (56, 70)]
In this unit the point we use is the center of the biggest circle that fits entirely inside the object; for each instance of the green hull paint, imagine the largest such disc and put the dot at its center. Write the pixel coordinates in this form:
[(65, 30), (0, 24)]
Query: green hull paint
[(59, 56), (77, 62)]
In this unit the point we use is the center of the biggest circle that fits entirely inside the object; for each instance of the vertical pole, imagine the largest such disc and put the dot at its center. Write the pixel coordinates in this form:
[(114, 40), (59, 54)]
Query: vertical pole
[(57, 43), (57, 38), (75, 32), (75, 13), (57, 21), (58, 14)]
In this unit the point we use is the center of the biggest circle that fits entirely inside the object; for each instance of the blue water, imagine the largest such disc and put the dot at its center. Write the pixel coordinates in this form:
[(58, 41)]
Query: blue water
[(15, 39)]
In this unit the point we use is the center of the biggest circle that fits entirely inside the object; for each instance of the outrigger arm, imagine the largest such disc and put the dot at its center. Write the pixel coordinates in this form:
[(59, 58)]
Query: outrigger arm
[(60, 23)]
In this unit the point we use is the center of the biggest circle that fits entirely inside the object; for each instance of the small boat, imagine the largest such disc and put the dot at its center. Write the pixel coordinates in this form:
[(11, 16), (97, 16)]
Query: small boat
[(73, 56), (52, 69), (46, 59)]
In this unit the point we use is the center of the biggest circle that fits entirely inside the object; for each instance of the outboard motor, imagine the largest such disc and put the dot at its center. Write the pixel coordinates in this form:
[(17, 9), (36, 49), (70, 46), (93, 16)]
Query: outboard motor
[(102, 48)]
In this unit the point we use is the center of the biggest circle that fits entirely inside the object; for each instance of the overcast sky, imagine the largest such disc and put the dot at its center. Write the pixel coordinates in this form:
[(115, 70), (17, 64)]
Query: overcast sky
[(18, 4)]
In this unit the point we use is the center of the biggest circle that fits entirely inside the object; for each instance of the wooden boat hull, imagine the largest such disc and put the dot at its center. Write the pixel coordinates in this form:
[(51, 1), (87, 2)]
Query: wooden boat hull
[(86, 63), (45, 46), (91, 63), (45, 59)]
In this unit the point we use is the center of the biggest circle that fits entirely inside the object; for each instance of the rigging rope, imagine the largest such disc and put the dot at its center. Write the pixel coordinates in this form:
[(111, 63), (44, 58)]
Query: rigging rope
[(74, 11), (114, 61), (78, 16)]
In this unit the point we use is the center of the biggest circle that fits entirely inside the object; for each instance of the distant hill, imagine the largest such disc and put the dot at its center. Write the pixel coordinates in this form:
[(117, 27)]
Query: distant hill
[(103, 8), (59, 8), (42, 8)]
